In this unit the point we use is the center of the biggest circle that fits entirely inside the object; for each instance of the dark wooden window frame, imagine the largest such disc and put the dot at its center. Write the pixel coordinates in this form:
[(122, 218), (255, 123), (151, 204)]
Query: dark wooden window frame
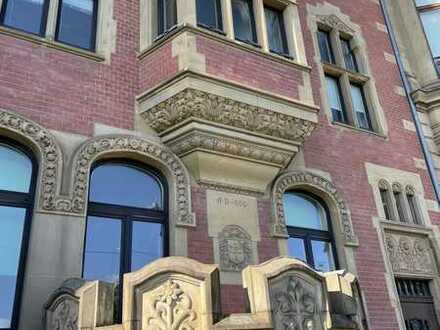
[(309, 235), (127, 215), (367, 110), (162, 30), (426, 8), (218, 16), (25, 201), (43, 24), (330, 46), (352, 54), (279, 13), (93, 32)]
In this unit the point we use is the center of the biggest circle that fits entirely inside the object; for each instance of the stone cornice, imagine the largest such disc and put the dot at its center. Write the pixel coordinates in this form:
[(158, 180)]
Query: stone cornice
[(195, 104)]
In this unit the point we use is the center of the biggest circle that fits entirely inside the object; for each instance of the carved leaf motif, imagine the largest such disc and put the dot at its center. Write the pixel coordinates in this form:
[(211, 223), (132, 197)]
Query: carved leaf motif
[(172, 309)]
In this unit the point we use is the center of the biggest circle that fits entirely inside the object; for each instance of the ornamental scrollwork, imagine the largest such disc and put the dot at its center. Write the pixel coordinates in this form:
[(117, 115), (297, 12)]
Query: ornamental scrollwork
[(290, 180), (49, 153), (410, 254), (235, 247), (294, 305), (195, 104), (171, 309)]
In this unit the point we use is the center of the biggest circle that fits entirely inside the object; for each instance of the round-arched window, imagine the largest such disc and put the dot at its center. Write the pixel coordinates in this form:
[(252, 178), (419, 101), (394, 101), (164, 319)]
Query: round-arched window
[(17, 187), (309, 229), (126, 220)]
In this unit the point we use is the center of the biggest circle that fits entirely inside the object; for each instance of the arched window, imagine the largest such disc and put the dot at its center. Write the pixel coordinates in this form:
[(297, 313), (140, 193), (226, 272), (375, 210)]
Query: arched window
[(309, 228), (126, 222), (17, 187)]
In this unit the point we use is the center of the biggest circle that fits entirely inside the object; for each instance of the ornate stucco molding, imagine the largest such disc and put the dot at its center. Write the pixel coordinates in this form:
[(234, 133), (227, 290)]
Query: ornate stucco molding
[(47, 151), (238, 148), (202, 106), (292, 180), (115, 145), (334, 22)]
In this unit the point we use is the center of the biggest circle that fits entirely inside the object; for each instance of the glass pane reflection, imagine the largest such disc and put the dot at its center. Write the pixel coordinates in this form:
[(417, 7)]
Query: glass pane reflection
[(125, 185), (302, 211), (243, 19), (12, 221), (15, 170), (25, 15), (147, 243), (102, 252), (296, 248), (431, 23), (323, 256)]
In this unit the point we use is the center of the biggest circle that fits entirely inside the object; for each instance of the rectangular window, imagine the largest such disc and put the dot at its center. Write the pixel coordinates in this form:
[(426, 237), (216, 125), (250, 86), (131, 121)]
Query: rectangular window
[(325, 47), (209, 14), (360, 108), (335, 99), (385, 203), (244, 21), (349, 57), (77, 23), (167, 15), (25, 15), (276, 33)]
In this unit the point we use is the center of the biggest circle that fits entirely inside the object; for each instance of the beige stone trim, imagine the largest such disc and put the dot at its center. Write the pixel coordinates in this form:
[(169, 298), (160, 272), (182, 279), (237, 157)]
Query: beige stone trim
[(390, 58), (184, 47), (381, 27), (331, 16), (339, 212), (420, 163), (399, 90)]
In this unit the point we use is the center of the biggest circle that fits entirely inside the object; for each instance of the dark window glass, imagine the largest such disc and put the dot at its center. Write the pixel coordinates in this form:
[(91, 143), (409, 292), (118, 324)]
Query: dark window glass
[(15, 210), (126, 223), (244, 22), (349, 57), (167, 15), (26, 15), (77, 23), (385, 203), (413, 208), (310, 238), (128, 186), (325, 47), (399, 205), (360, 108), (276, 33), (335, 99), (209, 14)]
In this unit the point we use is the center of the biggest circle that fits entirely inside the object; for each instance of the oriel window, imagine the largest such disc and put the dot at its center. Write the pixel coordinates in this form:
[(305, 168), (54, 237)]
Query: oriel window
[(167, 15), (244, 21), (276, 33), (77, 23), (25, 15), (209, 14)]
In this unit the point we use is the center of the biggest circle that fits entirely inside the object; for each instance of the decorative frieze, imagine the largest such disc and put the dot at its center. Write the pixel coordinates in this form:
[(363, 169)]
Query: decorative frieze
[(410, 254), (192, 104), (292, 180)]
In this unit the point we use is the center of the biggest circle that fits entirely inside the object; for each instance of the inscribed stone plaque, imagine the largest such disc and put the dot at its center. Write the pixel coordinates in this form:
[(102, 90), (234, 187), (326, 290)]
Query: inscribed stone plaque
[(232, 209)]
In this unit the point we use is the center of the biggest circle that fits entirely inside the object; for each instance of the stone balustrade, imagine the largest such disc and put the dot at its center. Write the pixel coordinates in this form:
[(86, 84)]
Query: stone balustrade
[(178, 293)]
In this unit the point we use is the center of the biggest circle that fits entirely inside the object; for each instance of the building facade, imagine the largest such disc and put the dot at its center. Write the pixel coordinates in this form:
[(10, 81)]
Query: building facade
[(230, 132)]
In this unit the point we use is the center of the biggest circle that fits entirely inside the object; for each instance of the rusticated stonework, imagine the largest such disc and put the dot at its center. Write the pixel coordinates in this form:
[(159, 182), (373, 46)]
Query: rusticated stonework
[(294, 305), (235, 247), (291, 180), (410, 254), (171, 309), (335, 22), (202, 106), (50, 155), (217, 143)]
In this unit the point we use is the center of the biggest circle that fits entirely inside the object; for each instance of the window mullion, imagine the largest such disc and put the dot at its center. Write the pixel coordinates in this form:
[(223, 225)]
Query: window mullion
[(52, 19), (260, 24), (346, 98), (228, 24), (309, 251)]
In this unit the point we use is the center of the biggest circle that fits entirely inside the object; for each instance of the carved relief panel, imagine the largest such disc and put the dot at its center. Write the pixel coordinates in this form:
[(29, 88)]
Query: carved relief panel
[(296, 303), (63, 314), (235, 249), (410, 254)]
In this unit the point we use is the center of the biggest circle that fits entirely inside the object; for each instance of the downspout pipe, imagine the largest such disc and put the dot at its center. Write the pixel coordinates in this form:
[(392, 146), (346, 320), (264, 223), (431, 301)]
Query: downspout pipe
[(407, 87)]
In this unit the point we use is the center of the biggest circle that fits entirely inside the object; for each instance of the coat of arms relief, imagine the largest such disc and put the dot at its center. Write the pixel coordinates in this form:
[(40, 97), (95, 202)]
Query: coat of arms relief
[(235, 247)]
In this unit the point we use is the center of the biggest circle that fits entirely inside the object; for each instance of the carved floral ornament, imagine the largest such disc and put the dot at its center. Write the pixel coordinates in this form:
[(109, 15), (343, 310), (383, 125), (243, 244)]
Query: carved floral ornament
[(196, 104), (290, 180), (50, 163)]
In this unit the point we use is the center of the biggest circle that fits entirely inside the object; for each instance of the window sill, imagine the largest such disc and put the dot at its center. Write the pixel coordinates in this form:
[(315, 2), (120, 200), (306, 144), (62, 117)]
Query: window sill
[(357, 129), (223, 39), (50, 43), (404, 226), (336, 70)]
